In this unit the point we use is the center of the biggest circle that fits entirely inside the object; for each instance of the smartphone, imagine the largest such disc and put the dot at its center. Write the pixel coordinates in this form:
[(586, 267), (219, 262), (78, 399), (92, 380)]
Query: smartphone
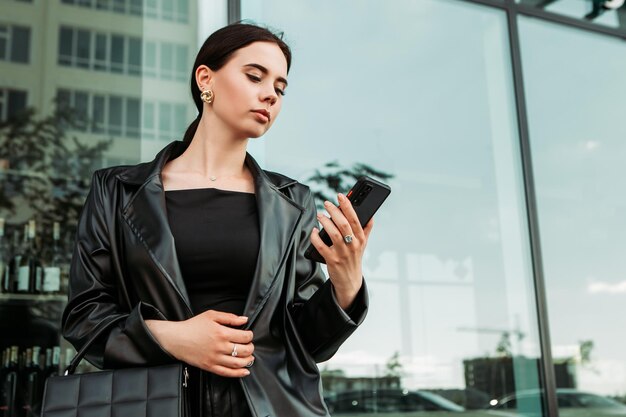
[(366, 196)]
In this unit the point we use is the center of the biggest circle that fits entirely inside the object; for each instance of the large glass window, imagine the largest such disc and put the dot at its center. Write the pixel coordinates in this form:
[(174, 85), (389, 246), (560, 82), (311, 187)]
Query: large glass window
[(118, 115), (575, 88), (15, 43), (117, 53), (134, 56), (150, 60), (86, 110), (20, 50), (121, 54), (167, 60), (4, 41), (83, 46), (422, 91), (12, 102), (101, 59), (66, 36)]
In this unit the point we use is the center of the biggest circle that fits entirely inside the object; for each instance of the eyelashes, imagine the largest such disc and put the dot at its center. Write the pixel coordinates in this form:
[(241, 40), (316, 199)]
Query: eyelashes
[(256, 79)]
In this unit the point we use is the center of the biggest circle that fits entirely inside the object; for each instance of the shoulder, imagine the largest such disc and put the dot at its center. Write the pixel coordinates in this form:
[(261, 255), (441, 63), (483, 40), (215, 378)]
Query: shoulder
[(297, 191), (107, 177), (106, 181)]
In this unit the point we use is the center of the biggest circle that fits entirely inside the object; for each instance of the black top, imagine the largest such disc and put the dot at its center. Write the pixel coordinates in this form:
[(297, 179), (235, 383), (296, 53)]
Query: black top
[(216, 233)]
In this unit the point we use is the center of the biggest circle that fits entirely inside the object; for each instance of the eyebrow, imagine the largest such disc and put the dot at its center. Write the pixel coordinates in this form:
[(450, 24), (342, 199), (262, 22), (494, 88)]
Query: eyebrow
[(265, 71)]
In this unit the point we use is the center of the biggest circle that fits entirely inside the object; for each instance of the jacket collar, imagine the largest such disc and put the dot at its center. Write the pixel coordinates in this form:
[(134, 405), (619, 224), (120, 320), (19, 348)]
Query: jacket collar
[(140, 173), (279, 217)]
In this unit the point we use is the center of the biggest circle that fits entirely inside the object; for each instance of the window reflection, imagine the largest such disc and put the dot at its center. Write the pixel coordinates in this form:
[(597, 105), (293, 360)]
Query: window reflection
[(576, 137), (602, 12), (451, 326), (159, 9), (447, 265)]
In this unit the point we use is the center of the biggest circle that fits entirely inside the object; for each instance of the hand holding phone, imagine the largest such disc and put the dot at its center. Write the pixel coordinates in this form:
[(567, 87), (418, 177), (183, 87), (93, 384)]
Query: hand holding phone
[(366, 197)]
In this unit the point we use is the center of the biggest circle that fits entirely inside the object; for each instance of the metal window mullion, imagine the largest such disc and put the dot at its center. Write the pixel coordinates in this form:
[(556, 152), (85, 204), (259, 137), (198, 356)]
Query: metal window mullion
[(172, 120), (552, 17), (88, 112), (581, 23), (123, 120), (9, 38), (74, 56), (157, 118), (234, 11), (157, 62), (547, 373), (107, 54), (5, 36), (125, 58), (153, 128), (91, 60), (105, 115), (5, 103)]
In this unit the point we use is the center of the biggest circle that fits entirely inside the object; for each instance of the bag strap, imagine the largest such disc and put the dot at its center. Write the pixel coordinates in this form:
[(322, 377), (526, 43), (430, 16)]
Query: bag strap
[(71, 368)]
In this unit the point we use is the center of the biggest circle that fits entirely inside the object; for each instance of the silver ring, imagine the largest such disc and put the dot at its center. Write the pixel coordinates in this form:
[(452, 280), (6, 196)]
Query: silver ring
[(249, 364), (347, 239), (234, 352)]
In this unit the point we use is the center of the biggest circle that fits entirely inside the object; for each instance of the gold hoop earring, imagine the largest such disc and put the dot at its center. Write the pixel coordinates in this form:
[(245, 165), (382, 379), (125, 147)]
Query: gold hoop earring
[(207, 96)]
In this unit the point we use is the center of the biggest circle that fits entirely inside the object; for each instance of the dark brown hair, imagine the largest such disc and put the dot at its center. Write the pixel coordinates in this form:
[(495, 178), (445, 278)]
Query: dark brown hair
[(217, 50)]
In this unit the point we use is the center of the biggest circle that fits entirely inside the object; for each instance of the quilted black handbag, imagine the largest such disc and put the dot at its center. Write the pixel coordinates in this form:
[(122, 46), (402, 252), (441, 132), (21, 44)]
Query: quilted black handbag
[(158, 391)]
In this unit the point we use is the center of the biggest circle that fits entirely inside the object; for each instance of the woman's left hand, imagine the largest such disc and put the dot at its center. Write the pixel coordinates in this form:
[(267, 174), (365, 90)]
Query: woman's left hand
[(343, 258)]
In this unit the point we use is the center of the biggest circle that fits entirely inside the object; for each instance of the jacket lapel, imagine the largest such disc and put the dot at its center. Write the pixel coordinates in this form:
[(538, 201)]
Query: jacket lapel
[(146, 216), (279, 217)]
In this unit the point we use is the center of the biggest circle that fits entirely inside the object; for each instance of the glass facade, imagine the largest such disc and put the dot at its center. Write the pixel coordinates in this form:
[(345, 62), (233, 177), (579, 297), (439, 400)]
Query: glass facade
[(603, 13), (422, 94), (577, 139)]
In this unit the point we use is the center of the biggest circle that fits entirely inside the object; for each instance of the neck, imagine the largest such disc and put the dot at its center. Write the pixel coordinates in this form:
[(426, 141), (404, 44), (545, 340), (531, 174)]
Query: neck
[(215, 151)]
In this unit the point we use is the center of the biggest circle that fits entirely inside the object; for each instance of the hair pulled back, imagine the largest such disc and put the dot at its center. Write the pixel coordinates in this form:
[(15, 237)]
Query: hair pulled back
[(217, 50)]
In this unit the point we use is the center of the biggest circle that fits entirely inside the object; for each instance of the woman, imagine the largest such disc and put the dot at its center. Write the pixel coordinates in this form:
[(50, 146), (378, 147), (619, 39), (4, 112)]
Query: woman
[(202, 251)]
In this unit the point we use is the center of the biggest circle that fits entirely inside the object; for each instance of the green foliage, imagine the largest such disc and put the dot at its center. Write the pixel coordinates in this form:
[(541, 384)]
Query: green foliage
[(585, 348), (335, 179), (393, 367), (45, 169), (504, 347)]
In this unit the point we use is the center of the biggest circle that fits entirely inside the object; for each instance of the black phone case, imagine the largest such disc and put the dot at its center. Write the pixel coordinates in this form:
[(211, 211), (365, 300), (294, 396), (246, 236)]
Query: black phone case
[(366, 196)]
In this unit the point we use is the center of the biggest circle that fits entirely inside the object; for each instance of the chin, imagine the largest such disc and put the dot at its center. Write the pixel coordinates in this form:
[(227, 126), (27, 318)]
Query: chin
[(256, 133)]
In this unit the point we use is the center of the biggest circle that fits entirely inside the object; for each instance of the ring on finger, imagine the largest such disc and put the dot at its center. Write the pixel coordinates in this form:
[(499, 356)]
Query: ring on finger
[(348, 239), (234, 352)]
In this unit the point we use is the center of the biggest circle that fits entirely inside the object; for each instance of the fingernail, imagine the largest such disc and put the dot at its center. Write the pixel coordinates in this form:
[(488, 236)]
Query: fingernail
[(243, 317), (247, 372), (341, 196), (327, 203)]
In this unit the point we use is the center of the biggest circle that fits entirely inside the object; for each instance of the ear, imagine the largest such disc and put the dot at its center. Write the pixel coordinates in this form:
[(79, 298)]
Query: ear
[(204, 76)]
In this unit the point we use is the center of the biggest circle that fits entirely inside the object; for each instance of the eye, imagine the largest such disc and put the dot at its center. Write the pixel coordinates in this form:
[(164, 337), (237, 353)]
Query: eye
[(279, 91), (254, 78)]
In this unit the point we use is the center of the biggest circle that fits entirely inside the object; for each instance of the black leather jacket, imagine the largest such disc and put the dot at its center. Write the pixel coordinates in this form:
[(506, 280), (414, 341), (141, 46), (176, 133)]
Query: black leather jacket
[(124, 264)]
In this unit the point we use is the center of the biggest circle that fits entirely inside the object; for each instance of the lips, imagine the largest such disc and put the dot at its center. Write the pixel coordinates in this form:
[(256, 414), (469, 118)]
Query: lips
[(265, 115)]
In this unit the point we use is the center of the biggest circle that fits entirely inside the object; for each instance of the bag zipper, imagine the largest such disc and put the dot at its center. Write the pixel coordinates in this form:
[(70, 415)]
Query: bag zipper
[(186, 412)]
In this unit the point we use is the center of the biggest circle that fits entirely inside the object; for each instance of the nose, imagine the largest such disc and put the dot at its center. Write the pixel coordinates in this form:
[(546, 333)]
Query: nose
[(269, 95)]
